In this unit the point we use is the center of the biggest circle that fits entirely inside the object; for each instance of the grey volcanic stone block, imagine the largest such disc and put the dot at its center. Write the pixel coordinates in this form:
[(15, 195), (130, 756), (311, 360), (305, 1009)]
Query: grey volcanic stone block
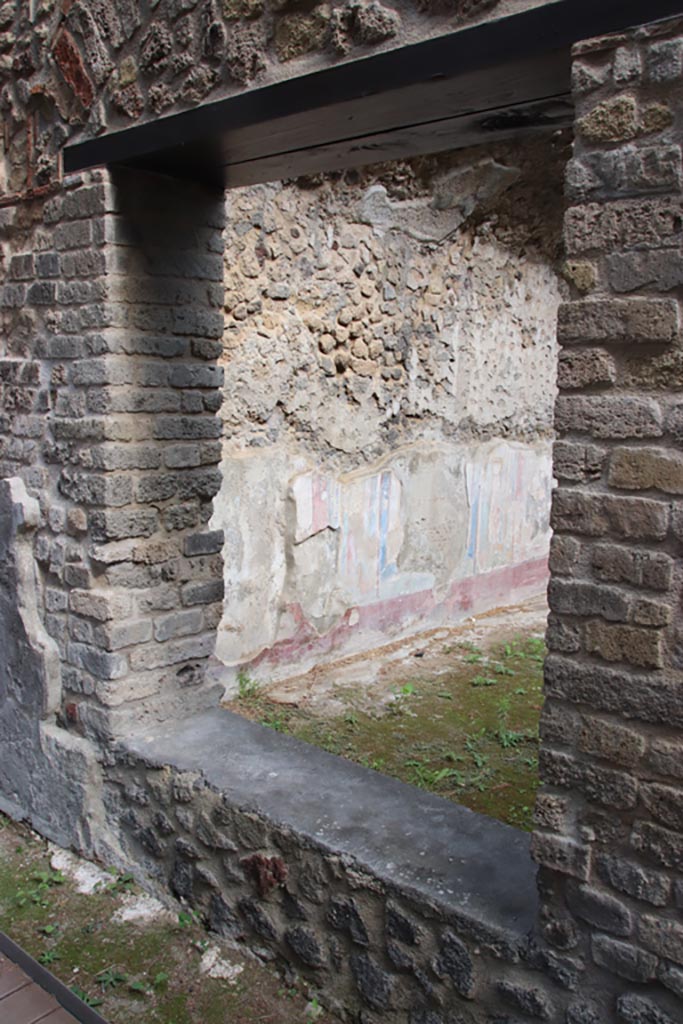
[(528, 998), (635, 1009), (454, 962), (373, 983), (222, 918), (306, 946), (343, 915), (400, 926), (257, 919)]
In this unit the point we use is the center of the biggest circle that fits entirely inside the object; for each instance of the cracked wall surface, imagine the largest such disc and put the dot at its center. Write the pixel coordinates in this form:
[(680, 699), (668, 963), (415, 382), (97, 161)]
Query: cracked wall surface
[(390, 372), (44, 771)]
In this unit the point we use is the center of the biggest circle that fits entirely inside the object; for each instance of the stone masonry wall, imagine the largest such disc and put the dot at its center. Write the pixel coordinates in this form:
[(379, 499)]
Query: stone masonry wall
[(610, 839), (111, 327), (376, 944), (85, 66), (390, 369)]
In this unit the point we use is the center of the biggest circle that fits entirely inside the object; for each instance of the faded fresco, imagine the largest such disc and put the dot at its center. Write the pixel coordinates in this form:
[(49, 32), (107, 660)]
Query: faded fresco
[(328, 565), (390, 361)]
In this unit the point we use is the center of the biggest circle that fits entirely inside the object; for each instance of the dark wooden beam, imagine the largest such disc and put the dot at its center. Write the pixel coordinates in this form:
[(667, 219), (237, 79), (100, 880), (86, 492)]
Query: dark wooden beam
[(399, 143), (492, 80)]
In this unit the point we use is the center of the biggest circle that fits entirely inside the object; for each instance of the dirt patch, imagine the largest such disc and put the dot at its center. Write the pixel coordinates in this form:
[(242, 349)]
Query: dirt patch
[(453, 711), (133, 958)]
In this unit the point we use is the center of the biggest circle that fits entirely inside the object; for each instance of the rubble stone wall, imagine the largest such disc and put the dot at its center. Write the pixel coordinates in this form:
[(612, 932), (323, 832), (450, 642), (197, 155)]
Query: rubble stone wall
[(80, 67), (350, 907), (390, 372)]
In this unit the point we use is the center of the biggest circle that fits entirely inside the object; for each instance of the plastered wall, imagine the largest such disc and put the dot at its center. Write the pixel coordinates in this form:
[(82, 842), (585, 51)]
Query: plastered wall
[(389, 381)]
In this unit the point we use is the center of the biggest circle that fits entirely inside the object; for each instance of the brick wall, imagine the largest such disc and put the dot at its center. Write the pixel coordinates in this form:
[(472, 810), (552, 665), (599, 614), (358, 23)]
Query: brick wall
[(112, 316), (610, 816), (153, 396)]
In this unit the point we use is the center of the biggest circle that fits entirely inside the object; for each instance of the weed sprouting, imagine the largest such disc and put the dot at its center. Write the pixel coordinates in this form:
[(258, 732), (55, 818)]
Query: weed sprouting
[(37, 894), (48, 956), (141, 987), (483, 681), (276, 720), (313, 1010), (121, 883), (399, 702), (425, 777), (91, 1001), (502, 670), (471, 746), (506, 737), (247, 688), (377, 764), (186, 918), (110, 978)]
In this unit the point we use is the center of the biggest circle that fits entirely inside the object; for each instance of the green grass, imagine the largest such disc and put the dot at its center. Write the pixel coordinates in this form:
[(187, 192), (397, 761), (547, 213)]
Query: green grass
[(470, 735), (130, 971), (247, 688)]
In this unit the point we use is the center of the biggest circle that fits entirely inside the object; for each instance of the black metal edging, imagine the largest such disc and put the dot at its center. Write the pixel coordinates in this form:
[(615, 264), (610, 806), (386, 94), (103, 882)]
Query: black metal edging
[(64, 996), (551, 26)]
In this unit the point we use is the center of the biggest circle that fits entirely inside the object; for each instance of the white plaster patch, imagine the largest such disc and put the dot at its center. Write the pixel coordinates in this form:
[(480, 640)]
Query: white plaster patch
[(456, 196), (316, 499), (142, 909), (213, 965), (87, 877)]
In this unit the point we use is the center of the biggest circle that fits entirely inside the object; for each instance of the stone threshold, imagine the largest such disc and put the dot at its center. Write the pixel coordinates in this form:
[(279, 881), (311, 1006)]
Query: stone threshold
[(465, 863)]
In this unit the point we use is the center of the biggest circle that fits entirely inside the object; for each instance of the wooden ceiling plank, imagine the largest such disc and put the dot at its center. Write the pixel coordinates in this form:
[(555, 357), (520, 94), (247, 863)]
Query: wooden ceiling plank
[(476, 92)]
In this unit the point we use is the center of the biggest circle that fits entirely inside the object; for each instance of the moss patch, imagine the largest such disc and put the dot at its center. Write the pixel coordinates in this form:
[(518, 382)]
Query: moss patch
[(469, 733), (130, 971)]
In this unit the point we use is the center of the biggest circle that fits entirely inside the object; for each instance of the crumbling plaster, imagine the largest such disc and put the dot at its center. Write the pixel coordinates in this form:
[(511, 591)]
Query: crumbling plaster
[(390, 368), (43, 767)]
